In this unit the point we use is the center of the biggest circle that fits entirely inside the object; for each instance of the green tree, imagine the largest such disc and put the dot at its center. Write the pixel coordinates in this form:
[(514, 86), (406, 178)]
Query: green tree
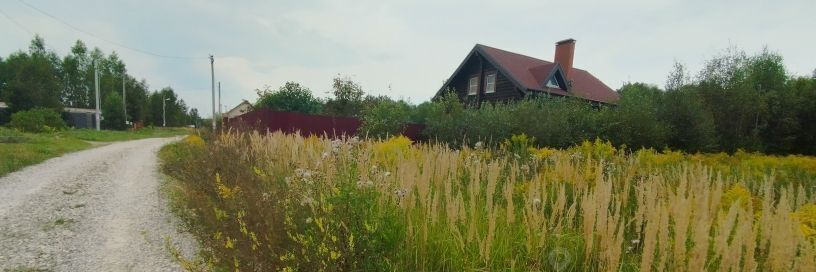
[(347, 100), (691, 126), (31, 82), (291, 97), (113, 113), (77, 77), (385, 117), (738, 108), (446, 120), (635, 121)]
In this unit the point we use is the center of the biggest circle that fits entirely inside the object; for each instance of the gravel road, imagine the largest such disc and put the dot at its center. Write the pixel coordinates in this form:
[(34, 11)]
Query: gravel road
[(93, 210)]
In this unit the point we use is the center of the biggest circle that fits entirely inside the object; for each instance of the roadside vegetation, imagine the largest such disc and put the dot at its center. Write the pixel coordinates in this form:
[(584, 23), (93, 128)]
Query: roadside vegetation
[(290, 203), (735, 102), (20, 149)]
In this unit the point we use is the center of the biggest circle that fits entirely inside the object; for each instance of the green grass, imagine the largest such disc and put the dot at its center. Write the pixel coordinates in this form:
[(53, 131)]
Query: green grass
[(18, 150)]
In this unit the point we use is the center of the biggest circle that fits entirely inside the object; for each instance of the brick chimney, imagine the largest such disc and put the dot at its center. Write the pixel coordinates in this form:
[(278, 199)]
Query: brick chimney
[(564, 53)]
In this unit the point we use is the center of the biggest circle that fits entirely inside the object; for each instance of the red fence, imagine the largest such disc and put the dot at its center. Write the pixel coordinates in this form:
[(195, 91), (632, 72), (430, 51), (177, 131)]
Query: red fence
[(290, 122)]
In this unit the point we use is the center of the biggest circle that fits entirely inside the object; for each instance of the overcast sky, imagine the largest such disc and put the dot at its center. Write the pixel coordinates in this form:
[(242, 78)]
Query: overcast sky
[(404, 49)]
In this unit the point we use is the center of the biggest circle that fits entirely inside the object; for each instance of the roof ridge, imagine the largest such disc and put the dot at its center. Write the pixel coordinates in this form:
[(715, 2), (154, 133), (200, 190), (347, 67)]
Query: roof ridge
[(523, 55), (514, 53)]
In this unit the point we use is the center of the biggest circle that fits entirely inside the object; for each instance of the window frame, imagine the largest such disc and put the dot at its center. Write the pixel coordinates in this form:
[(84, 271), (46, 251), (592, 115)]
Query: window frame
[(473, 85), (490, 87)]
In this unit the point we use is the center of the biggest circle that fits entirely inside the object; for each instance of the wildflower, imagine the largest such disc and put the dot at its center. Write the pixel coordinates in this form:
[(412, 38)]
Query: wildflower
[(636, 241), (307, 200), (479, 145), (325, 155), (309, 220), (400, 193)]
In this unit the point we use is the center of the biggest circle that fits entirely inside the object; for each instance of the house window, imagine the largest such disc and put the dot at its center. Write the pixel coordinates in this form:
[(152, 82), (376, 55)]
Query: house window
[(473, 86), (553, 83), (490, 83)]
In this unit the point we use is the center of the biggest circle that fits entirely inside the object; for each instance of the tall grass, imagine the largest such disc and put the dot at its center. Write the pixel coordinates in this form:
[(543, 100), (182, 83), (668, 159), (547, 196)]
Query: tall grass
[(284, 202)]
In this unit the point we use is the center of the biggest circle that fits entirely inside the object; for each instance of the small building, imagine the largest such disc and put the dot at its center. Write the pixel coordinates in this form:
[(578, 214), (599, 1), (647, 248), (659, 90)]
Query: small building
[(239, 110), (494, 75), (79, 117), (5, 115)]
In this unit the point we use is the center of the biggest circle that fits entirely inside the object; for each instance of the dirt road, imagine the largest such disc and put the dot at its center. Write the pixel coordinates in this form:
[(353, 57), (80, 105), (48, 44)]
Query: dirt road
[(94, 210)]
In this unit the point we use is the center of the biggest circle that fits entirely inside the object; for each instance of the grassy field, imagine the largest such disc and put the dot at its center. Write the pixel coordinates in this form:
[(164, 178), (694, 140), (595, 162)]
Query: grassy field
[(288, 203), (18, 150)]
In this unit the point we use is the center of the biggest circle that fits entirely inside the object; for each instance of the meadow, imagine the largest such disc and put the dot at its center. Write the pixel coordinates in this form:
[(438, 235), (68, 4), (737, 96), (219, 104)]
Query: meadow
[(261, 202)]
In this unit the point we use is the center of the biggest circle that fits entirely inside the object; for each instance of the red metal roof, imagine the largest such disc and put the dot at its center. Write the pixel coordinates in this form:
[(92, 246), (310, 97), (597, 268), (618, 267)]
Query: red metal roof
[(531, 73)]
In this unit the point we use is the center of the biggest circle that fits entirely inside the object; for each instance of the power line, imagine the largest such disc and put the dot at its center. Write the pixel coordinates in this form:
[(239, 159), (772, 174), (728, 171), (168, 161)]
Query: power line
[(103, 39), (15, 22)]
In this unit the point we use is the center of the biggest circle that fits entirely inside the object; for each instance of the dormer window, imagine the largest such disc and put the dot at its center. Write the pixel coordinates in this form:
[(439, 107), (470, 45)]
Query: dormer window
[(553, 83), (490, 83), (473, 86)]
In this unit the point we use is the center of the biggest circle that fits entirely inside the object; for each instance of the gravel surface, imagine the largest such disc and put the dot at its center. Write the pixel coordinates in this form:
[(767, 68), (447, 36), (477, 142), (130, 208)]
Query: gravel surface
[(93, 210)]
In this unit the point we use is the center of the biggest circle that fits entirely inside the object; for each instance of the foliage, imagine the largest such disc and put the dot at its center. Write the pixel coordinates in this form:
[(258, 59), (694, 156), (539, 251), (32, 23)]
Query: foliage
[(37, 120), (283, 202), (41, 78), (113, 112), (291, 97), (635, 122), (347, 100), (384, 118)]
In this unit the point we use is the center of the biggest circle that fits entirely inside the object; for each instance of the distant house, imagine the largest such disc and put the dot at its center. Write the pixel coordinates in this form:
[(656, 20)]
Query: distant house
[(79, 117), (74, 117), (239, 110), (491, 74)]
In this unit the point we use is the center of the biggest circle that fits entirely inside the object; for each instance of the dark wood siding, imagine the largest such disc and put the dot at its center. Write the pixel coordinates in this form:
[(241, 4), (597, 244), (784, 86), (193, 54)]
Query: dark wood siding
[(505, 90), (479, 67)]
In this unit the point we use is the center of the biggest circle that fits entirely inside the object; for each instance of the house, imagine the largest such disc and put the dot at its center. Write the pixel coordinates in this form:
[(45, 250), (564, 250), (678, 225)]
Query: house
[(494, 75), (79, 117), (239, 110)]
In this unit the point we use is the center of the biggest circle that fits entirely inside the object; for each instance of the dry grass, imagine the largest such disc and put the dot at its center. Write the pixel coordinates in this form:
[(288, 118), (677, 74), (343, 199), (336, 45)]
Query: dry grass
[(287, 202)]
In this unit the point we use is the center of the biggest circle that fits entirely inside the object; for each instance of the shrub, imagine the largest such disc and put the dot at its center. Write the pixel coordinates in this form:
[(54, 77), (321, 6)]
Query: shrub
[(291, 97), (385, 118), (37, 120)]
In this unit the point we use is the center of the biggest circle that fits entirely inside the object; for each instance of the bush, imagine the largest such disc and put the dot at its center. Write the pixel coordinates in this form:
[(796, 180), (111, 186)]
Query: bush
[(37, 120), (291, 97), (385, 118)]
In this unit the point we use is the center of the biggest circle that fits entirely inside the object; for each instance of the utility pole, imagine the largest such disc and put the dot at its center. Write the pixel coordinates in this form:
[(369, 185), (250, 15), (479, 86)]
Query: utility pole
[(164, 118), (124, 98), (219, 101), (212, 83), (96, 88)]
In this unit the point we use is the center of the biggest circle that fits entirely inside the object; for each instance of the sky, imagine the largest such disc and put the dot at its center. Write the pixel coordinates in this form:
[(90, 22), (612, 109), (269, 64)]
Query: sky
[(403, 49)]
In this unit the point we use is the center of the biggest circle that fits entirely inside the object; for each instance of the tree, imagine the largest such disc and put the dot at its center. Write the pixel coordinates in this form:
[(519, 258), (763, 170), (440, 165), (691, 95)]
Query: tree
[(76, 82), (690, 125), (347, 100), (635, 121), (31, 82), (113, 113), (738, 108), (195, 119), (384, 117), (291, 97)]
